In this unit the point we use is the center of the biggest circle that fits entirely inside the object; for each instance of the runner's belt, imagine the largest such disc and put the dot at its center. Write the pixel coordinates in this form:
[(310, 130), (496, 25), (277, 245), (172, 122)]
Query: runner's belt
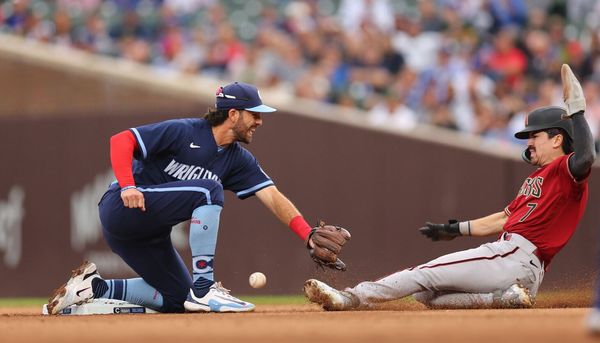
[(522, 243)]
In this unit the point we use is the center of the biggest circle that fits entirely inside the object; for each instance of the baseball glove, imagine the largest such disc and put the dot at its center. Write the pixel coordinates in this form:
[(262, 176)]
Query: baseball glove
[(324, 244)]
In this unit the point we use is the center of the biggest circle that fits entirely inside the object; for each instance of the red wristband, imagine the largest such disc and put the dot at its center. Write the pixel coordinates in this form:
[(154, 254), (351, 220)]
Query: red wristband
[(300, 227)]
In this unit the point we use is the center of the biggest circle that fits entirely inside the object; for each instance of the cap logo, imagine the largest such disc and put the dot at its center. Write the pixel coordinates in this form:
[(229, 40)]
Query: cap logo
[(220, 94), (239, 95)]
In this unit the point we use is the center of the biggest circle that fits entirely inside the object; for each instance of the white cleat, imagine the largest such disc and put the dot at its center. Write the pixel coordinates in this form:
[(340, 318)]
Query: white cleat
[(217, 299), (516, 296), (328, 297), (77, 290), (592, 321)]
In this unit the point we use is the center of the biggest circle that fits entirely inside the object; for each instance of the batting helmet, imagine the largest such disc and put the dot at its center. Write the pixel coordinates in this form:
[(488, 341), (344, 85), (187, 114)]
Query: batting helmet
[(546, 118)]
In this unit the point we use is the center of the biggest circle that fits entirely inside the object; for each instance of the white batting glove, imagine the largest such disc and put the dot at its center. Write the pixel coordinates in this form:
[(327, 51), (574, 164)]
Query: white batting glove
[(572, 92)]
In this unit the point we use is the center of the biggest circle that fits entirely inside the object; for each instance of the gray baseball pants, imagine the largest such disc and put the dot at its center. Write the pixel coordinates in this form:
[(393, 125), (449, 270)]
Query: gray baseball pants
[(464, 279)]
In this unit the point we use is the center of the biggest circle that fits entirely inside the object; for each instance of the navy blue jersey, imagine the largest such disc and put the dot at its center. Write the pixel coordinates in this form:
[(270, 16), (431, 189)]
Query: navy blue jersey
[(185, 149)]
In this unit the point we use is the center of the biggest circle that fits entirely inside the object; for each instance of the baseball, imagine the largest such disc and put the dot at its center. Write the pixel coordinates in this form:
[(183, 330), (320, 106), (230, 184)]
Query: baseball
[(257, 280)]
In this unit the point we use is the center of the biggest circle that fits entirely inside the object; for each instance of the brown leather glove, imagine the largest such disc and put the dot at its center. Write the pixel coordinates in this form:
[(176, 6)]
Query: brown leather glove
[(324, 244)]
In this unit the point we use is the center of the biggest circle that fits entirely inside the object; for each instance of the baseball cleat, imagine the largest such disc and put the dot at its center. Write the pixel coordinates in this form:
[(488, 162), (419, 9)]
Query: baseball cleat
[(328, 297), (77, 290), (516, 296), (592, 321), (217, 299)]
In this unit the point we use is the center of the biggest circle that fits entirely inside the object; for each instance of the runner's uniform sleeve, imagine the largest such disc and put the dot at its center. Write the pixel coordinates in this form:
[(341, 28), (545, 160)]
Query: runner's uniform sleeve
[(580, 162)]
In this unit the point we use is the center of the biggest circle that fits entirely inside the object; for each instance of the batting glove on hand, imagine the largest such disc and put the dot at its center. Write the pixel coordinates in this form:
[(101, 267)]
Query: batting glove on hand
[(572, 92), (441, 232)]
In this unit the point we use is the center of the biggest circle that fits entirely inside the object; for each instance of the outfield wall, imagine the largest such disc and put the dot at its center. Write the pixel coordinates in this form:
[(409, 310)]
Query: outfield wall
[(382, 186)]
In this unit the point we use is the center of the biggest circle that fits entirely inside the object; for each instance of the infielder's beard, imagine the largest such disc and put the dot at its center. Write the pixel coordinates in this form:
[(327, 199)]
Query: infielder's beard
[(242, 131)]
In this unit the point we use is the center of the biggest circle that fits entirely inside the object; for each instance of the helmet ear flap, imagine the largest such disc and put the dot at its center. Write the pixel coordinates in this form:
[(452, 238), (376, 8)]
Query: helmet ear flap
[(526, 156)]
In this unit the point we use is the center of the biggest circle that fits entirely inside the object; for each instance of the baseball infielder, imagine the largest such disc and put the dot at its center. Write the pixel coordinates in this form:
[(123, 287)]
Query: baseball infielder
[(533, 227), (174, 171)]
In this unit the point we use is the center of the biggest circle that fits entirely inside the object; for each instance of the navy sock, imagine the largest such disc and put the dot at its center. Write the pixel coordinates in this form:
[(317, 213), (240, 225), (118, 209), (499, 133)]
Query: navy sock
[(135, 291), (99, 287), (201, 286)]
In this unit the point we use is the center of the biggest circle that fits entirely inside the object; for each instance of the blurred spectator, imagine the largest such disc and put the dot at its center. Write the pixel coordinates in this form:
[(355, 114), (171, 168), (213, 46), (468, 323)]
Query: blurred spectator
[(592, 113), (355, 13), (505, 62), (507, 13), (391, 112), (419, 48), (540, 53), (430, 17), (476, 66), (18, 15)]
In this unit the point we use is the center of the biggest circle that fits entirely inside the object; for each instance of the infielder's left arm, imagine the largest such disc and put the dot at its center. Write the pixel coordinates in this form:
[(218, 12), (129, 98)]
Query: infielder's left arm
[(324, 242), (284, 210)]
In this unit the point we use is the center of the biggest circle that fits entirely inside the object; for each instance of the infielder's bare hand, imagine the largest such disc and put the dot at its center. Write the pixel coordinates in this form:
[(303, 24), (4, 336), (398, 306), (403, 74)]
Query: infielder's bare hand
[(132, 198)]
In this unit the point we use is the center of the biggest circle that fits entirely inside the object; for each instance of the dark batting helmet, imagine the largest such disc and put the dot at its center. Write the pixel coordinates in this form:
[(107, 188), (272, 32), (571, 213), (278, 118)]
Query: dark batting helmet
[(546, 118)]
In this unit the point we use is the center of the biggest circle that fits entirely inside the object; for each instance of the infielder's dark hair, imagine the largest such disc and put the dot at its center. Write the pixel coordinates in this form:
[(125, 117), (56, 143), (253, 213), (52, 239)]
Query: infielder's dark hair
[(216, 117), (567, 144)]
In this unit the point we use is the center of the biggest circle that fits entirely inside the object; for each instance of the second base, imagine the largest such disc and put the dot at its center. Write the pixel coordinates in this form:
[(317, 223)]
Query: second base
[(102, 306)]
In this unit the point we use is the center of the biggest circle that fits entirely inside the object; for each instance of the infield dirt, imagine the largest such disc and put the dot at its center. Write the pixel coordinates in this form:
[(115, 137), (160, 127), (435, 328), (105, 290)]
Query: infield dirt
[(551, 321)]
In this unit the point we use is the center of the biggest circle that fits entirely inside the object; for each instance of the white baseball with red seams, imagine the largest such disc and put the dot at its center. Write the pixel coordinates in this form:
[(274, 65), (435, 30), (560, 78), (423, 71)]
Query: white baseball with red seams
[(257, 280)]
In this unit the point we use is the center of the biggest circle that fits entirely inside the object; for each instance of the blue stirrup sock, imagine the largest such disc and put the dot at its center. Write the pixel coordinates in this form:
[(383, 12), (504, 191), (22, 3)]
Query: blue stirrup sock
[(204, 229), (135, 291)]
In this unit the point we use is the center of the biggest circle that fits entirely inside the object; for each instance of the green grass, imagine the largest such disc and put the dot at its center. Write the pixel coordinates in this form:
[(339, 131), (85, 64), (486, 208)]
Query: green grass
[(255, 299), (275, 299), (22, 302)]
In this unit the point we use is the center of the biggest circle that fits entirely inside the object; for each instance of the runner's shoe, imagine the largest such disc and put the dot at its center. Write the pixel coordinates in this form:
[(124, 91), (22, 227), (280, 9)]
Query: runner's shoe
[(329, 298), (217, 299), (516, 296), (592, 321), (77, 290)]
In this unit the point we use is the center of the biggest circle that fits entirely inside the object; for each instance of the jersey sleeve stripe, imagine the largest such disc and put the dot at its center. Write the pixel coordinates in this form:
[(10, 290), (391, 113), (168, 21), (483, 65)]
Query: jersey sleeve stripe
[(569, 169), (571, 174), (507, 211), (255, 188), (180, 189), (140, 142)]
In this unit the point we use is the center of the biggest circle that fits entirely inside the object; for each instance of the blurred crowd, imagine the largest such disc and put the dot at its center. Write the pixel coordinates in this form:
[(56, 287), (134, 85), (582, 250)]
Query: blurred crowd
[(475, 66)]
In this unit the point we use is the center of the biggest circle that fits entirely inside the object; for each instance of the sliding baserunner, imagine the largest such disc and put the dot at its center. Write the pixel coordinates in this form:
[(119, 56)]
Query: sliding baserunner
[(533, 228)]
